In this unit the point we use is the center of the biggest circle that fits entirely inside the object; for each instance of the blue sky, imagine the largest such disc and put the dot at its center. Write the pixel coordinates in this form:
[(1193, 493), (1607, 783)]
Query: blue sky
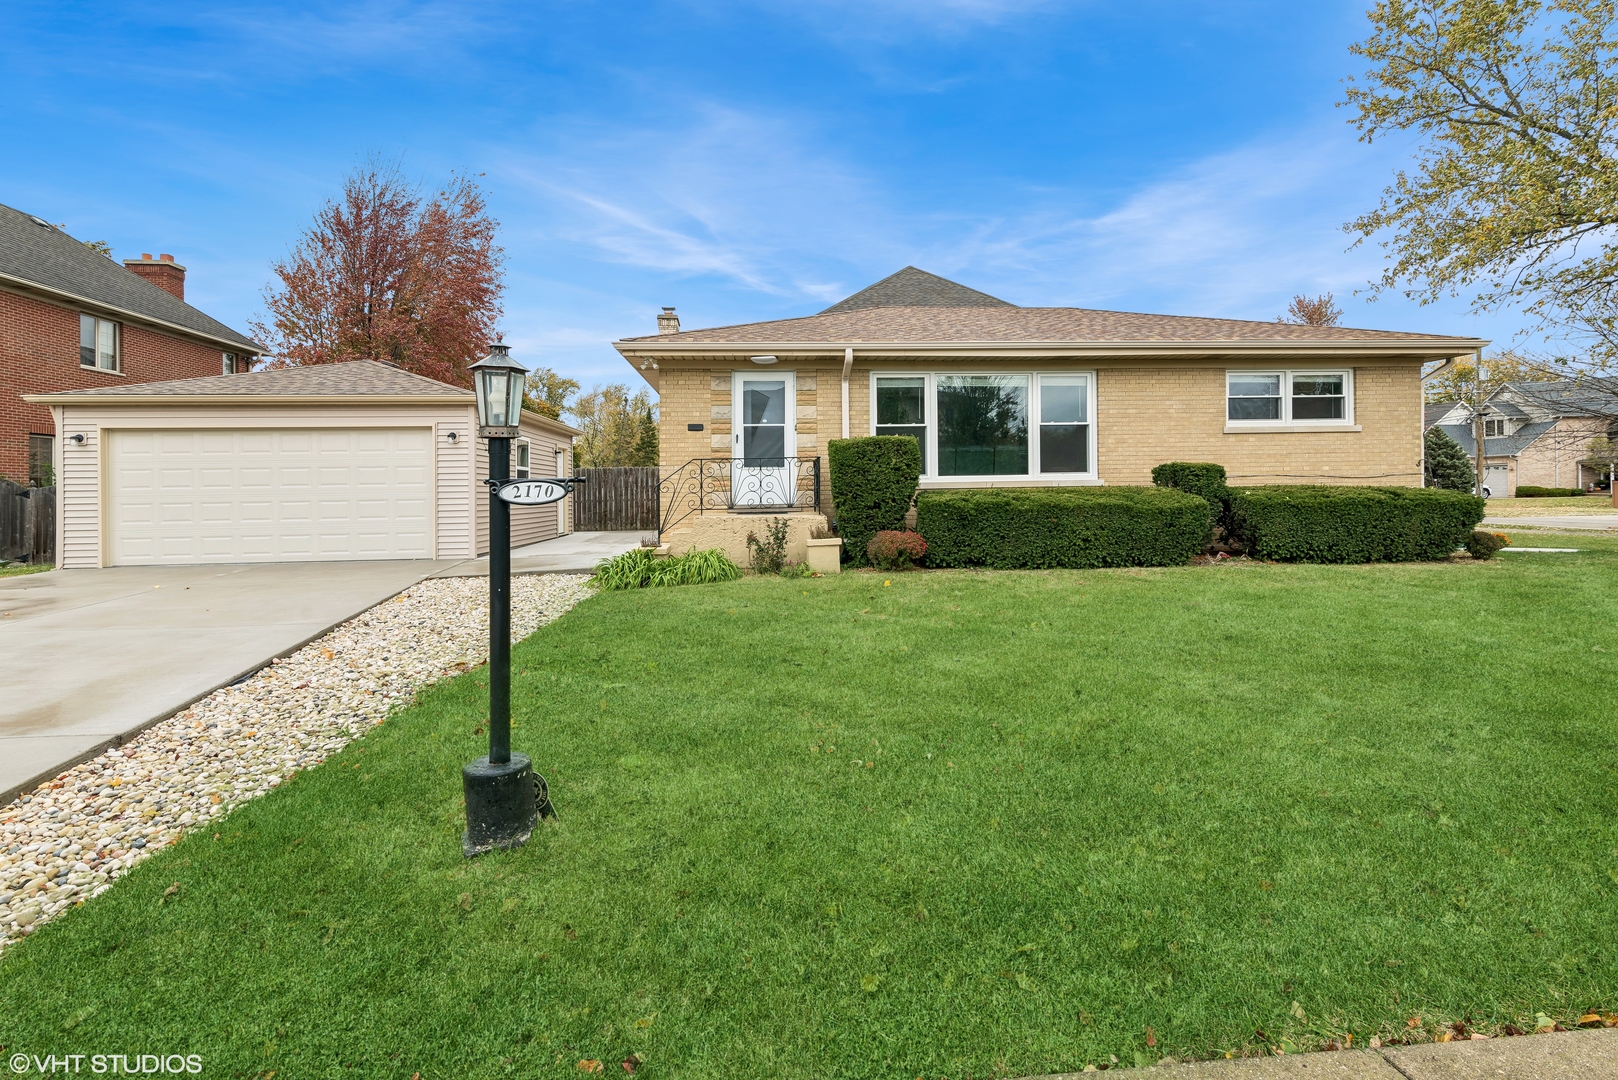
[(739, 159)]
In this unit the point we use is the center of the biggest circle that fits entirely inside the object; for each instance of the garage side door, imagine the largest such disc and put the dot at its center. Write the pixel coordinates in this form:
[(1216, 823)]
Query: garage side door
[(312, 494)]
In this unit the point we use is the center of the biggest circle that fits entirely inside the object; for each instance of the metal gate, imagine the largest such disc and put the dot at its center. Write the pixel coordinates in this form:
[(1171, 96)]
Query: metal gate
[(616, 500)]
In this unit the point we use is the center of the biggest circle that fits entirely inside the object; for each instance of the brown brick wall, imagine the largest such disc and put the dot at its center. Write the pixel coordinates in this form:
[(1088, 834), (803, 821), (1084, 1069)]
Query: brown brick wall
[(1552, 460), (39, 354)]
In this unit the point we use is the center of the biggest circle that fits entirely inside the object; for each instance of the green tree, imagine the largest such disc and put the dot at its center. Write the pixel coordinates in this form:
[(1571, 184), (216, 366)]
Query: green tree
[(646, 444), (1514, 193), (611, 419), (1448, 466), (1457, 381), (547, 392)]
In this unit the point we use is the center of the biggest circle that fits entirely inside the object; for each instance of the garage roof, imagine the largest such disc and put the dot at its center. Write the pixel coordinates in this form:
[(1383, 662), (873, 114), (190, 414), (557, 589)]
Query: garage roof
[(350, 379)]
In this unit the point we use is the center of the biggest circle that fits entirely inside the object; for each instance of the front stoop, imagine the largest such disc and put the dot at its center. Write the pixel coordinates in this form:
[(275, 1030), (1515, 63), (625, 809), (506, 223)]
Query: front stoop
[(728, 532), (1564, 1055)]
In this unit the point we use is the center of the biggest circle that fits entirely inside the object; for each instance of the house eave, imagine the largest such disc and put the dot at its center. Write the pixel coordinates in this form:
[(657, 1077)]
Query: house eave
[(1425, 348), (231, 345)]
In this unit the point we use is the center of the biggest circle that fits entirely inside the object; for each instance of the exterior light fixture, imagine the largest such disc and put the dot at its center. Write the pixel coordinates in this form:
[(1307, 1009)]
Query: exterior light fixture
[(498, 381), (764, 359)]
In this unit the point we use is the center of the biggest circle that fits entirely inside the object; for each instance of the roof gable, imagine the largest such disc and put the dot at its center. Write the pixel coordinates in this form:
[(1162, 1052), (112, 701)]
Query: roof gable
[(37, 253), (911, 287)]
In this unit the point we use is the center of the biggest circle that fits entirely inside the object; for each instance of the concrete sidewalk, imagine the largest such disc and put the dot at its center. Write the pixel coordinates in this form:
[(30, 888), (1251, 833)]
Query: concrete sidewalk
[(93, 656), (575, 553), (1596, 522), (1564, 1055)]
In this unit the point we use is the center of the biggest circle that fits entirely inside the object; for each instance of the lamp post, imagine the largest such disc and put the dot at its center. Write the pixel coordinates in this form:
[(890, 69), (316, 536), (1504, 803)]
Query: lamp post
[(503, 794)]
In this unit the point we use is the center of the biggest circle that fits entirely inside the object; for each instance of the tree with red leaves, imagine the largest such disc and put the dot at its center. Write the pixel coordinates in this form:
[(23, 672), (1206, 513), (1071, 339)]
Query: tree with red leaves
[(384, 274), (1313, 311)]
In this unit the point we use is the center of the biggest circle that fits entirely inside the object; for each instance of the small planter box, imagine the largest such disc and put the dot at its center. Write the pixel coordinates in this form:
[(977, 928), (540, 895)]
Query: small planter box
[(826, 556)]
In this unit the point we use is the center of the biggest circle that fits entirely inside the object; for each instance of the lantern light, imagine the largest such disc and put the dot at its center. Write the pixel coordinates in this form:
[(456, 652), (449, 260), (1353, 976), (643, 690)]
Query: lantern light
[(498, 381)]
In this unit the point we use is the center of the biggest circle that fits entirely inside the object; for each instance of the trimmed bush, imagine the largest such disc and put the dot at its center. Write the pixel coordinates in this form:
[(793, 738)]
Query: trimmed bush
[(1532, 491), (1484, 545), (1330, 524), (873, 480), (1035, 528), (1198, 477), (893, 549)]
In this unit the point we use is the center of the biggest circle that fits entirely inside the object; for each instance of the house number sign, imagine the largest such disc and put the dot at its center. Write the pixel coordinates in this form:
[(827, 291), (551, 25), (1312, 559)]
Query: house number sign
[(534, 492)]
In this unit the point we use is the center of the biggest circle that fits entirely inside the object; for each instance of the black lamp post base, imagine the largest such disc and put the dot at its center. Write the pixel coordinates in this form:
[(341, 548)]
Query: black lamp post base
[(503, 804)]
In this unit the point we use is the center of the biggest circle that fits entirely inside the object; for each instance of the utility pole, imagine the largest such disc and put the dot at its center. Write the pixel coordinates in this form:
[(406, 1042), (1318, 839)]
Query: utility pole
[(1477, 418)]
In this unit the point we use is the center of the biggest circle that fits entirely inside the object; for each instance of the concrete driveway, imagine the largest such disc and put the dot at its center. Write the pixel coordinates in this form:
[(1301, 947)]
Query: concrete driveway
[(92, 656), (575, 553)]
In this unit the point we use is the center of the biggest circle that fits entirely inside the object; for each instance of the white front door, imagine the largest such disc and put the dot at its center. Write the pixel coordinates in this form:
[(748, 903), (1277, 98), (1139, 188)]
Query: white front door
[(763, 447)]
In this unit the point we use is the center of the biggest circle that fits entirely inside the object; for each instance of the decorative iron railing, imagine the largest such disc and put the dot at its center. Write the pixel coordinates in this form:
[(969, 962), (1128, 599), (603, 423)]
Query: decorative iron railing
[(739, 485)]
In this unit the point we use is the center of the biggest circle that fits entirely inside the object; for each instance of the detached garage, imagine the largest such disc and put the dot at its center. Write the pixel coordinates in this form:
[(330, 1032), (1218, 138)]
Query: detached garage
[(358, 460)]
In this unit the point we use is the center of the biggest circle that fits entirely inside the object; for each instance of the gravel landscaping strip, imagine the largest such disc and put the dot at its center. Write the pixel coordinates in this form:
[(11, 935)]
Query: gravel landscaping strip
[(69, 839)]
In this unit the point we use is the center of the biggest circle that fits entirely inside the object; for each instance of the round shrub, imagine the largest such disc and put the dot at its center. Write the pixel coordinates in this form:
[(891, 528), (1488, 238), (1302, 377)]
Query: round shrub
[(896, 549), (1484, 545)]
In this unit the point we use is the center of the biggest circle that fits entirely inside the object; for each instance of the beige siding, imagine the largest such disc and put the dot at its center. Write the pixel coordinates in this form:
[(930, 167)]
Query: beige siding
[(78, 505), (81, 498), (455, 485), (529, 524)]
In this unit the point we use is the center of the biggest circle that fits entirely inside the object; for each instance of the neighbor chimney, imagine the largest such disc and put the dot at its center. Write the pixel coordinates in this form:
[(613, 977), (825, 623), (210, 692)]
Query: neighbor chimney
[(163, 272), (668, 322)]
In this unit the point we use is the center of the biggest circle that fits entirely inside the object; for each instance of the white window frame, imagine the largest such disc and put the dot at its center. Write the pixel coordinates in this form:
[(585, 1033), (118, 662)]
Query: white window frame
[(1035, 473), (1285, 421), (522, 456), (1501, 425), (117, 344), (227, 363)]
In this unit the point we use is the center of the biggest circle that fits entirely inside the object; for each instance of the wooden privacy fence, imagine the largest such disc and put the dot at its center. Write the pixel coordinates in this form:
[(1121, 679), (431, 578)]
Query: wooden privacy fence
[(27, 522), (616, 500)]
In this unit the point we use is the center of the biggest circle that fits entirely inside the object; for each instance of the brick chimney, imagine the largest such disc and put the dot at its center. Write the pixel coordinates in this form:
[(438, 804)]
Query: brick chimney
[(162, 271), (668, 322)]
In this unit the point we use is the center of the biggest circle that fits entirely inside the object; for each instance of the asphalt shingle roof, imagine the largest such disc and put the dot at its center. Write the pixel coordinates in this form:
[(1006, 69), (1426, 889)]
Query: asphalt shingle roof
[(915, 288), (1568, 397), (914, 305), (34, 251), (1498, 445), (357, 378)]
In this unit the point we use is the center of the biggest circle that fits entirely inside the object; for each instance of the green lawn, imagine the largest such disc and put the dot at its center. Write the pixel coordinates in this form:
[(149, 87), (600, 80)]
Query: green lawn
[(965, 824), (14, 569)]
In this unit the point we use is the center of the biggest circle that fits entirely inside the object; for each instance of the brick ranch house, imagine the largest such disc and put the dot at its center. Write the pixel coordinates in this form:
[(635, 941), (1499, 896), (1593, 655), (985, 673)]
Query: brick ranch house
[(1001, 396), (71, 319)]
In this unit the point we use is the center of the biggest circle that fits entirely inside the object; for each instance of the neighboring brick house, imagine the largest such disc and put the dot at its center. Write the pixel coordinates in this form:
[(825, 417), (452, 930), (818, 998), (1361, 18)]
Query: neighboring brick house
[(1000, 395), (72, 319), (1537, 433)]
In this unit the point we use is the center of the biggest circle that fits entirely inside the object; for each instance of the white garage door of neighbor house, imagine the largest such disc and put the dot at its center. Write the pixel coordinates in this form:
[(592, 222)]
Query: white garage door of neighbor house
[(272, 495)]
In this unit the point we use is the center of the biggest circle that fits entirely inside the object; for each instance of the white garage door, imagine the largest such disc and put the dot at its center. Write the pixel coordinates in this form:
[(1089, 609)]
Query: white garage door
[(214, 496)]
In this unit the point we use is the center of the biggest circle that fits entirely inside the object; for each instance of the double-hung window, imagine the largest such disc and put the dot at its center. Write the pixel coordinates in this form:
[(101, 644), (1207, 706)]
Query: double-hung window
[(1028, 424), (227, 363), (1496, 426), (1287, 397), (98, 343), (519, 463), (901, 409)]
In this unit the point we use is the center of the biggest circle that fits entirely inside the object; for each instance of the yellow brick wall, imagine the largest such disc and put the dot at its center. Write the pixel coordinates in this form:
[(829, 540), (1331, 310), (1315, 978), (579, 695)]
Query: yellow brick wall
[(1145, 415)]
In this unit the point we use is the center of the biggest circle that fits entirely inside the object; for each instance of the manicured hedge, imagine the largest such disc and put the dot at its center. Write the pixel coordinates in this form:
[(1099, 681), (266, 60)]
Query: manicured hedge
[(1532, 491), (1033, 528), (1329, 524), (1198, 477), (873, 480)]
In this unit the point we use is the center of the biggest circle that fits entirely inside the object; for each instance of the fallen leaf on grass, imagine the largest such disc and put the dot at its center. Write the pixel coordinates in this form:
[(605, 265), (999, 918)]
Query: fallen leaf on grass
[(1151, 1036), (590, 1065), (631, 1063), (1590, 1019), (1445, 1036), (1543, 1023), (869, 983), (645, 1021), (1413, 1022)]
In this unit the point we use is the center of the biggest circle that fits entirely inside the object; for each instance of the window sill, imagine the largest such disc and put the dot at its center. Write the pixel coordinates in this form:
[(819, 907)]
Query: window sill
[(101, 370), (945, 482), (1261, 429)]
